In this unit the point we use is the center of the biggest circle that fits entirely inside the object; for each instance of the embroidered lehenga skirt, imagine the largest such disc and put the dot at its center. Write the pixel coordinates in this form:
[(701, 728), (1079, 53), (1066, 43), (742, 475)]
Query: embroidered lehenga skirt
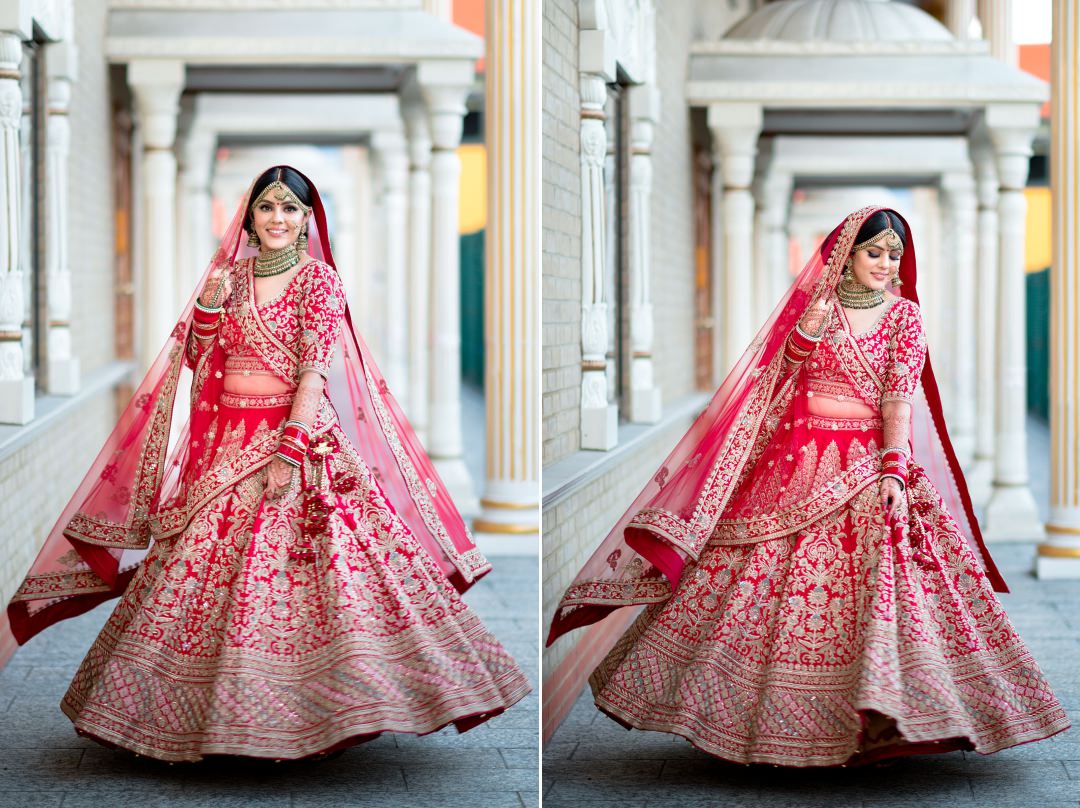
[(236, 637), (816, 635)]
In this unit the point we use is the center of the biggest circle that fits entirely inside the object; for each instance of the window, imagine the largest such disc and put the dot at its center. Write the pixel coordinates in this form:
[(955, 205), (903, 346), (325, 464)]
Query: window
[(616, 215), (32, 213)]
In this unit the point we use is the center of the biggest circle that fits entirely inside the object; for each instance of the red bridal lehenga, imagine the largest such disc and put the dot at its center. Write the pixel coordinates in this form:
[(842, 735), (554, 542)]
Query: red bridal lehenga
[(787, 621), (260, 627)]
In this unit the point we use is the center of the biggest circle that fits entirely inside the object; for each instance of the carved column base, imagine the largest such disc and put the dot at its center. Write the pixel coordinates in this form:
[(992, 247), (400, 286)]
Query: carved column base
[(17, 401), (964, 446), (980, 480), (646, 405), (599, 427), (1059, 556), (511, 511), (1049, 568), (1012, 515), (64, 376), (455, 475)]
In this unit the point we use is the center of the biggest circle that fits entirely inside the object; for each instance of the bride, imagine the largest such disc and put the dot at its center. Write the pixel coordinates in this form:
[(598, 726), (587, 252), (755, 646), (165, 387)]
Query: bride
[(290, 564), (816, 587)]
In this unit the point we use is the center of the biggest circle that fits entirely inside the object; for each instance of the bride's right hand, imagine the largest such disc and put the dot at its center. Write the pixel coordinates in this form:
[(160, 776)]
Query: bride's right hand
[(814, 316), (218, 277)]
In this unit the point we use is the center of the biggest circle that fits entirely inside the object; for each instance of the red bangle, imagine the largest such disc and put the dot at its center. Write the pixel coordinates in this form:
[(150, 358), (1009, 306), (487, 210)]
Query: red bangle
[(206, 318), (291, 454), (297, 434)]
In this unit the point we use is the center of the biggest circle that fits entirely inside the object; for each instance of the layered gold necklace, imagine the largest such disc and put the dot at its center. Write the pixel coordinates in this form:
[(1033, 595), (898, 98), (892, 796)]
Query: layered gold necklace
[(274, 262), (854, 295)]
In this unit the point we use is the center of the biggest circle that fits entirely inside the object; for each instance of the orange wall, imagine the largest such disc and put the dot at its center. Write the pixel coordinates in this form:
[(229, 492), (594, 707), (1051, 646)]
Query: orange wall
[(1035, 59), (469, 14)]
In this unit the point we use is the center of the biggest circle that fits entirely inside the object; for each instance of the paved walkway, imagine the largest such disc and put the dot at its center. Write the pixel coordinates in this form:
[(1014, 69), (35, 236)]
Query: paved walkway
[(44, 763), (592, 762)]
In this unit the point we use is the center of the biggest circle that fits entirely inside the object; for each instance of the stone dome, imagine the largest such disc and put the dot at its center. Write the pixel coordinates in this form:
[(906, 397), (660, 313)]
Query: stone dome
[(840, 21)]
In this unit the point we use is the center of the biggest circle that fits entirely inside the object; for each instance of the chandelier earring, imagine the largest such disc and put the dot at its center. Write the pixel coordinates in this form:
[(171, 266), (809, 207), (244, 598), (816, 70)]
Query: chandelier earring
[(253, 239), (301, 240)]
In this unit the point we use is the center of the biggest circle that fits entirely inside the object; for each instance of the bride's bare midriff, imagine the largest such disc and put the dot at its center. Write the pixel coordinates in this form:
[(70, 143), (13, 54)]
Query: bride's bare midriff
[(828, 407), (256, 385)]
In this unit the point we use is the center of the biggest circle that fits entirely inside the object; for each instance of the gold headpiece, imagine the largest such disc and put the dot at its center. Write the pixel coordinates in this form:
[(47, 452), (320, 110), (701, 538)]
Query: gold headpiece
[(282, 193), (892, 241)]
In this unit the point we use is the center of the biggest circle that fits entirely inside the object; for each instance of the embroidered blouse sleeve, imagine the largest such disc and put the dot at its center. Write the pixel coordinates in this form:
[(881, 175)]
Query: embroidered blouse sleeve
[(321, 313), (907, 354), (196, 347)]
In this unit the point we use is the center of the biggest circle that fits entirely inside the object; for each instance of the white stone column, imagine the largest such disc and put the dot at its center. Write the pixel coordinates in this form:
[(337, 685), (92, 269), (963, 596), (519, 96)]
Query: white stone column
[(444, 86), (980, 479), (776, 204), (735, 129), (197, 201), (61, 61), (996, 19), (375, 282), (419, 258), (1059, 556), (16, 389), (156, 86), (512, 275), (958, 17), (645, 396), (959, 191), (389, 146), (599, 419), (1011, 514)]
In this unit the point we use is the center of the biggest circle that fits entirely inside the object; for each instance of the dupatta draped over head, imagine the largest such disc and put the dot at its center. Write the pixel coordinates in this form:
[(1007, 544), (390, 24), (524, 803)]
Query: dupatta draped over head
[(668, 525), (138, 485)]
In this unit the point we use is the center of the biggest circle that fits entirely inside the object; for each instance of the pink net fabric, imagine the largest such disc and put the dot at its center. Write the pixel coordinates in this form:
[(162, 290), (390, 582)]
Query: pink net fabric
[(668, 524), (103, 532)]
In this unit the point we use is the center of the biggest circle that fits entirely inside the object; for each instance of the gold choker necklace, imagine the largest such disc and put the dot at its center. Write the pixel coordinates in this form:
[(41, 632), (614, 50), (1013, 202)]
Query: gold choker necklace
[(854, 295), (274, 262)]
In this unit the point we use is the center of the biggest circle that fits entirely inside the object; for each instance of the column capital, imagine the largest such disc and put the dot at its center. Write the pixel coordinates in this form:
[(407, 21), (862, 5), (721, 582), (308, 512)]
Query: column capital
[(156, 85), (1011, 128), (198, 157), (10, 50), (62, 60), (958, 184), (735, 129), (414, 113), (985, 167), (445, 81)]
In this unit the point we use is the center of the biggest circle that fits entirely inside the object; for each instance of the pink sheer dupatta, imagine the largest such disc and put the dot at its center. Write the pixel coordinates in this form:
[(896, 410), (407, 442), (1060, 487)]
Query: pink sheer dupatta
[(669, 523), (105, 529)]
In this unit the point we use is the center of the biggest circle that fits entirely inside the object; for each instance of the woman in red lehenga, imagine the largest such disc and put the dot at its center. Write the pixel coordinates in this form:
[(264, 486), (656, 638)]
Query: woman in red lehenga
[(290, 568), (817, 589)]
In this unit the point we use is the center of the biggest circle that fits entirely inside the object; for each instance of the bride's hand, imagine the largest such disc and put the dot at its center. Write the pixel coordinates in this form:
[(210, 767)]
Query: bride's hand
[(889, 495), (812, 320), (218, 277), (278, 478)]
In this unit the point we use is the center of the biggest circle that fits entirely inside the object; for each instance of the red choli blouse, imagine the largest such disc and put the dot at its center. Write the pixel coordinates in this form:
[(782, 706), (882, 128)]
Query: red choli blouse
[(894, 348), (293, 332)]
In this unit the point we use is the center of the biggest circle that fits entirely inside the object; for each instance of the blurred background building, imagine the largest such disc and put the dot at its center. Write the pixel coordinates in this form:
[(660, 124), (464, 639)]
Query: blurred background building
[(696, 152), (129, 130)]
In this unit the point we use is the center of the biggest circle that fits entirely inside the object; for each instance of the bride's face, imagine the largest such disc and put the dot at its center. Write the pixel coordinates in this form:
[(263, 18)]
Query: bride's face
[(875, 265), (277, 223)]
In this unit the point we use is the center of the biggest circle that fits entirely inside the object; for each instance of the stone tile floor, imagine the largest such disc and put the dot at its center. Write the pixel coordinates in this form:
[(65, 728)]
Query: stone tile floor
[(592, 762), (44, 763)]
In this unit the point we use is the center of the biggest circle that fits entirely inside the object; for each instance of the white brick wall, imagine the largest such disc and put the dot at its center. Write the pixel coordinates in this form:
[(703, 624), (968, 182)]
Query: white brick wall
[(575, 526), (90, 187), (673, 208), (38, 479), (561, 355)]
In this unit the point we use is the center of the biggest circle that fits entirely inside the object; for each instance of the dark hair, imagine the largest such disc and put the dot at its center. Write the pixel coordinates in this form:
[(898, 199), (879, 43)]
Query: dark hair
[(879, 222), (297, 184)]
